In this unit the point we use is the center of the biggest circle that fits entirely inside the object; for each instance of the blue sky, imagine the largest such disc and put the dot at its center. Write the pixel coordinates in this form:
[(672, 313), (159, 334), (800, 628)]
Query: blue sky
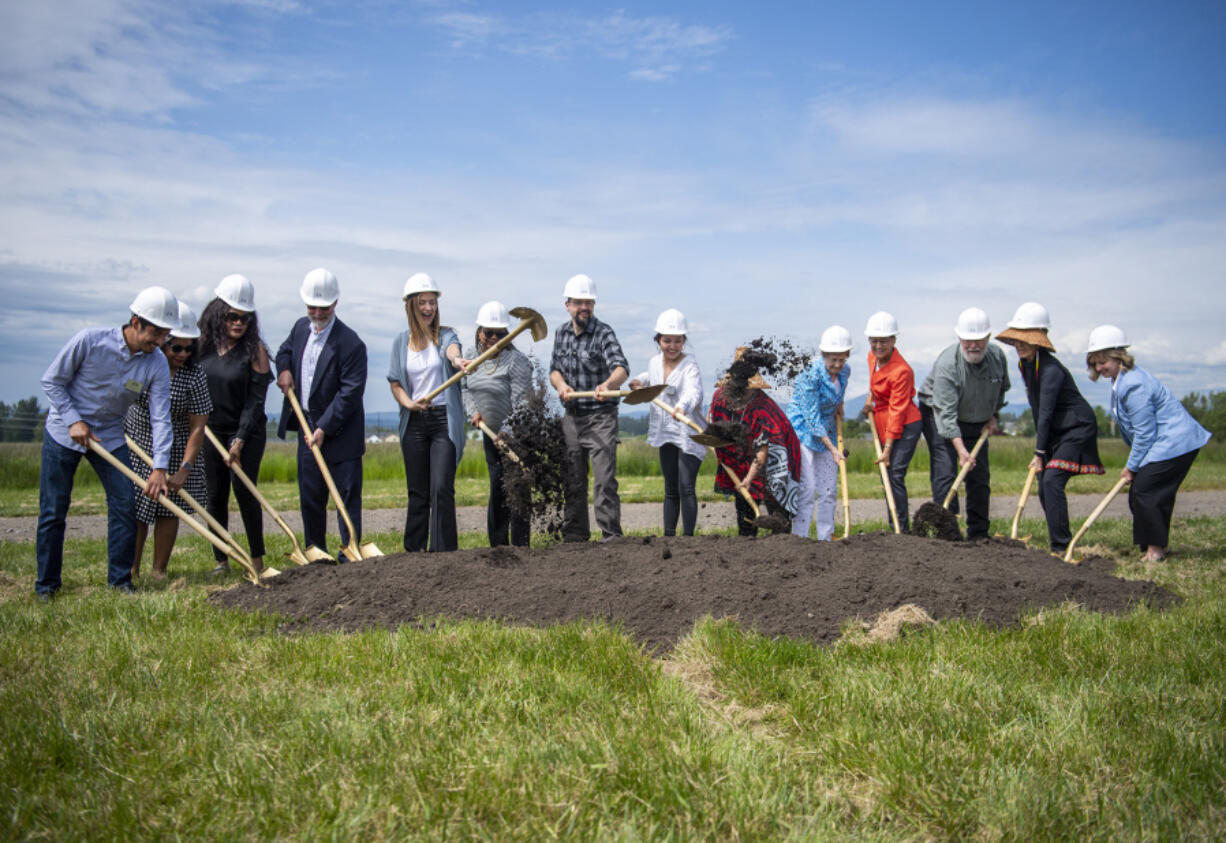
[(768, 169)]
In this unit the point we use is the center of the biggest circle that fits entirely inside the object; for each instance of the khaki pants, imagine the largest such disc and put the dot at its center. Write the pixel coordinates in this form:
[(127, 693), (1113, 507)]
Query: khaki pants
[(591, 436)]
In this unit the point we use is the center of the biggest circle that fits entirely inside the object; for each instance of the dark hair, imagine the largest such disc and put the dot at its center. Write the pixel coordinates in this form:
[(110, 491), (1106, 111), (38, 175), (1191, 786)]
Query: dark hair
[(213, 331), (191, 358), (477, 339), (656, 338)]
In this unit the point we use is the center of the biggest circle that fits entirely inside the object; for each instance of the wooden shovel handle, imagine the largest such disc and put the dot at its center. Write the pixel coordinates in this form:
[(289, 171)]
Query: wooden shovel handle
[(323, 467), (843, 479), (252, 488), (681, 417), (966, 469), (885, 474), (1021, 502), (498, 443), (1098, 510), (480, 358), (742, 490)]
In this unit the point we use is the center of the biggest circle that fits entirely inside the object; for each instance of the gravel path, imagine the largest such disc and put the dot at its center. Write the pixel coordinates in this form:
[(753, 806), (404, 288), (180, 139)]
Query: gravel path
[(646, 516)]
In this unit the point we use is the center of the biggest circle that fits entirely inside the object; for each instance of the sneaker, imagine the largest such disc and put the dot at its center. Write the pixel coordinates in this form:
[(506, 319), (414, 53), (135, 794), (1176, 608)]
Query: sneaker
[(126, 588), (221, 570), (44, 596)]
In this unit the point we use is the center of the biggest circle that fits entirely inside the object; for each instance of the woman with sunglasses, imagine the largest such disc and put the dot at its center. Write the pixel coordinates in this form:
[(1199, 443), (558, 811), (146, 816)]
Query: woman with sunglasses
[(189, 412), (431, 434), (236, 363), (489, 395)]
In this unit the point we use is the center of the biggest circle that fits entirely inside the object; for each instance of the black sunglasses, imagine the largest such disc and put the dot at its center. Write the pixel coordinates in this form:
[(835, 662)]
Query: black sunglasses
[(494, 333), (183, 349), (238, 317)]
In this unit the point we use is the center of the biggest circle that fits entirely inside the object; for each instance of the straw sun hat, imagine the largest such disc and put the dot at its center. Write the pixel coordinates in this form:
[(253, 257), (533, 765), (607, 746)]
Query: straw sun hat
[(1034, 336)]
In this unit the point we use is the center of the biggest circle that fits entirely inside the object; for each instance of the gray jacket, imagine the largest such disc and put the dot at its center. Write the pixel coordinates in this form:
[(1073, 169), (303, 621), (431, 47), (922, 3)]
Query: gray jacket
[(959, 392)]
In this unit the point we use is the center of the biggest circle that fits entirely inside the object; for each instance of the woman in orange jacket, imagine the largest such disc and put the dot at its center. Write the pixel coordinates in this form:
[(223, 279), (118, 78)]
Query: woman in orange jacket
[(890, 400)]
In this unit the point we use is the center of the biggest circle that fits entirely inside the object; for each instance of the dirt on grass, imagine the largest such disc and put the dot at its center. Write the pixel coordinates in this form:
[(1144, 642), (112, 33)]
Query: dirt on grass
[(656, 588)]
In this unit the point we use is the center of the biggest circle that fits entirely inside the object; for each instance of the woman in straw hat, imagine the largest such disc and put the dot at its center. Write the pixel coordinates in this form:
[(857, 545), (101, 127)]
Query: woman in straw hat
[(1066, 429), (765, 452), (1162, 436)]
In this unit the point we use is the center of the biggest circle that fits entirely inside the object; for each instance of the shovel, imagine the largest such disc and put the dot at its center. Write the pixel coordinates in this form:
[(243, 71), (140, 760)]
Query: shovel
[(214, 525), (1098, 510), (966, 469), (252, 574), (312, 553), (843, 480), (501, 445), (1021, 503), (885, 476), (631, 396), (352, 550), (530, 319)]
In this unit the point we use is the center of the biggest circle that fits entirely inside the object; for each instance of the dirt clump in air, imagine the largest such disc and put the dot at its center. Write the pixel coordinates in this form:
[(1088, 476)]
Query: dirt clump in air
[(934, 521), (536, 487)]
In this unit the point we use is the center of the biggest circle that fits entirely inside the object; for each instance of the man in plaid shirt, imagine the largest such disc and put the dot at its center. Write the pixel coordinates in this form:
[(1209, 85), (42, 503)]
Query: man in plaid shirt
[(587, 357)]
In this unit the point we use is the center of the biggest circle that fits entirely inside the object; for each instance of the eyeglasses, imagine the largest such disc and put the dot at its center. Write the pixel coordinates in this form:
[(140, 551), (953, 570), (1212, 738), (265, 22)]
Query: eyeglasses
[(183, 349), (494, 334), (244, 318)]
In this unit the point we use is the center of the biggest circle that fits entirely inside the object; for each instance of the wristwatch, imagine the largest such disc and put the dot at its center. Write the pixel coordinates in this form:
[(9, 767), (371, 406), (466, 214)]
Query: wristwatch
[(188, 464)]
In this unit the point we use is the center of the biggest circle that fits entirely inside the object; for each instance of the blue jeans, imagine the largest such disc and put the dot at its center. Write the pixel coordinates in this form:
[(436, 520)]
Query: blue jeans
[(59, 466)]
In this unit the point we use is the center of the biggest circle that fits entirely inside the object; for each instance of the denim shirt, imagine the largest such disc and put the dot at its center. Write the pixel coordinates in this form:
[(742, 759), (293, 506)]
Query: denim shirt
[(1152, 422), (814, 401), (397, 372), (95, 378)]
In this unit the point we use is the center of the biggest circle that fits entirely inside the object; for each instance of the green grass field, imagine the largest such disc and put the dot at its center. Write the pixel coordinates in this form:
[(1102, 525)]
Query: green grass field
[(160, 716), (638, 475)]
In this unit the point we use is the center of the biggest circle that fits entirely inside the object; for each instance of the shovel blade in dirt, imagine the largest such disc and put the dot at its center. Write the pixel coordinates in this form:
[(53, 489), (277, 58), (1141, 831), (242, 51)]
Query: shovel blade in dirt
[(312, 554)]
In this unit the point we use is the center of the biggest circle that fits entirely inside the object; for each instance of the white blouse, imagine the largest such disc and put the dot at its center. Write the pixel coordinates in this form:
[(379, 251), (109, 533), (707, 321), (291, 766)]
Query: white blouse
[(425, 370), (683, 390)]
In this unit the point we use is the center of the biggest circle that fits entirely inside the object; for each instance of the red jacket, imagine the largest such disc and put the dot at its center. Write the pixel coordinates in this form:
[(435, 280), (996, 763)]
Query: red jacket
[(891, 388)]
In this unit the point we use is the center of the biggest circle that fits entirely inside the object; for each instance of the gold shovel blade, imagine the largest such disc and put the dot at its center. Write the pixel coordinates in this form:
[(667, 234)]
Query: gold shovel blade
[(644, 395), (710, 440), (370, 550), (537, 326), (314, 554)]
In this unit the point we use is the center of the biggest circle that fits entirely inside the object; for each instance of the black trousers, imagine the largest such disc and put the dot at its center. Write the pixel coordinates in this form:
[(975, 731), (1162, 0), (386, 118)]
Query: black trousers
[(1151, 497), (313, 497), (943, 468), (680, 472), (219, 478), (901, 453), (499, 517), (1055, 507), (429, 476), (745, 517)]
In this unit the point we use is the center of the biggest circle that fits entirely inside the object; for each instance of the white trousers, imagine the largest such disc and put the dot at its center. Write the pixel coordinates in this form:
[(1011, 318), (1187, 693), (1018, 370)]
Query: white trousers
[(819, 474)]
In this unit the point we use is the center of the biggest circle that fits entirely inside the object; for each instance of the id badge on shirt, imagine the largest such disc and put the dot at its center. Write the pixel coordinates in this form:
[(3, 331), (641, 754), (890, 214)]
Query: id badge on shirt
[(133, 385)]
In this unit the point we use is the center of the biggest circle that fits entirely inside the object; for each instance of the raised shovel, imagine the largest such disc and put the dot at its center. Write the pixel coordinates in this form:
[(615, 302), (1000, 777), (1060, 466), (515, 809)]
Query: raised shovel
[(629, 396), (1098, 510), (183, 516), (843, 479), (298, 555), (1021, 502), (529, 320), (353, 550), (213, 523), (885, 475)]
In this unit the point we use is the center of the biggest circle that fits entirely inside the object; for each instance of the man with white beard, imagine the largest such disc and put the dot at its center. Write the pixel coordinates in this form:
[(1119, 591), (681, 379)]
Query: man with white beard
[(961, 398), (324, 362)]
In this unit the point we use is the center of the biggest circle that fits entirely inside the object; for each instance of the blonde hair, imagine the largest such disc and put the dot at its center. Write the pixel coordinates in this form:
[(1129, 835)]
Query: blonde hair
[(420, 334), (1096, 357)]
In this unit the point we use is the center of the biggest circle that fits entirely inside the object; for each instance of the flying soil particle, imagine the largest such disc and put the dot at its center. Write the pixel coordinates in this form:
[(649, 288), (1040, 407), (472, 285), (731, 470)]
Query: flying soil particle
[(789, 360), (536, 488)]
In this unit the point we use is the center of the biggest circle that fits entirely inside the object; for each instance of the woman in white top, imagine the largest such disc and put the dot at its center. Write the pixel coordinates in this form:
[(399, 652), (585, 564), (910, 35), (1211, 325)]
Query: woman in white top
[(431, 435), (680, 456)]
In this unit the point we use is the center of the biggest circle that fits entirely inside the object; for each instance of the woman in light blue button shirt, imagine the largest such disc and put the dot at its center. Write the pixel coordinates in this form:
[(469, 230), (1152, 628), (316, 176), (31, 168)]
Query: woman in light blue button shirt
[(1163, 437)]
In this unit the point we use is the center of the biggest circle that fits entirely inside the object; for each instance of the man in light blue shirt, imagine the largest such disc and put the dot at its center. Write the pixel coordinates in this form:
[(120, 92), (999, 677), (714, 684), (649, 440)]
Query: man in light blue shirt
[(90, 385)]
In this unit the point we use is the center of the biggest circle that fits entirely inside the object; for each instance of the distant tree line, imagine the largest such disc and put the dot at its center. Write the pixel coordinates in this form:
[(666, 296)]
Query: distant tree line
[(1210, 410), (21, 422)]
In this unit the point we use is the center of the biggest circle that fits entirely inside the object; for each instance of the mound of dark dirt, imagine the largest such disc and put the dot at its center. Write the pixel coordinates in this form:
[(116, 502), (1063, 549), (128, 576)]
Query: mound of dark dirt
[(656, 588)]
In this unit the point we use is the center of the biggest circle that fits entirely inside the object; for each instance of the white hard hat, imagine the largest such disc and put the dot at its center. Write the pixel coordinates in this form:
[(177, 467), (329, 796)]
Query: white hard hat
[(580, 287), (493, 315), (973, 324), (1031, 315), (238, 292), (672, 322), (319, 288), (1104, 337), (836, 339), (881, 324), (158, 306), (188, 329), (420, 282)]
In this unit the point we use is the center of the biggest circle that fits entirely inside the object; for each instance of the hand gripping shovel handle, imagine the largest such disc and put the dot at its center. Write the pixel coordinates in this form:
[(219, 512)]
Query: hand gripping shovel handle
[(173, 507), (843, 480), (214, 525), (743, 491), (1098, 510), (351, 548), (297, 555), (1021, 502), (481, 358), (885, 475), (966, 469), (502, 446)]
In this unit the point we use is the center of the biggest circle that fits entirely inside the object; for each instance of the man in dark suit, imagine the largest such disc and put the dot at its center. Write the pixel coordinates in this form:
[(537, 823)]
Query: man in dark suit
[(324, 362)]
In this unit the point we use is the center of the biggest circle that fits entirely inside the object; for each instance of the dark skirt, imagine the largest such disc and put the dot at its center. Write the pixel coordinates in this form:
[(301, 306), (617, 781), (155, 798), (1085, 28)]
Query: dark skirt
[(1076, 451)]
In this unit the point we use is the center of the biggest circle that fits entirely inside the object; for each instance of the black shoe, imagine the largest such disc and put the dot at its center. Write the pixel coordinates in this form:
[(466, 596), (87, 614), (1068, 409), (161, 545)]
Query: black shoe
[(45, 596), (126, 588), (220, 571)]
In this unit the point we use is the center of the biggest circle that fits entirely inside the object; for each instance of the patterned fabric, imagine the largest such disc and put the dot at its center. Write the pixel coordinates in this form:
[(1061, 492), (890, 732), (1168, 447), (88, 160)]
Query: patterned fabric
[(496, 386), (767, 425), (189, 395), (586, 361), (682, 390), (814, 400)]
